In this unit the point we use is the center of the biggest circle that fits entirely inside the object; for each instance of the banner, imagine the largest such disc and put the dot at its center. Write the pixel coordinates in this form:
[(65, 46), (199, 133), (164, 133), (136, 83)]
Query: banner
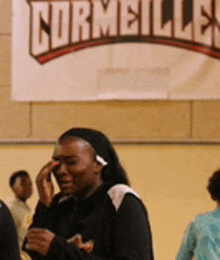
[(90, 50)]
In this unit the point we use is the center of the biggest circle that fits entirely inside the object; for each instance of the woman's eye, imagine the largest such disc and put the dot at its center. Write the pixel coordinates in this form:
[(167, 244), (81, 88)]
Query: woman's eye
[(55, 168), (71, 162)]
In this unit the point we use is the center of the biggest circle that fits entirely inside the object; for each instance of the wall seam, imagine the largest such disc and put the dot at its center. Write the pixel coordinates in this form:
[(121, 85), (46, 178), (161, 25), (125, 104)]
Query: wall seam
[(191, 120), (30, 120)]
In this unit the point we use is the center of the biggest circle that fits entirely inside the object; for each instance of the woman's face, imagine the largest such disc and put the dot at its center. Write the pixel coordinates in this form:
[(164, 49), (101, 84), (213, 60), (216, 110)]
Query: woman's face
[(78, 172)]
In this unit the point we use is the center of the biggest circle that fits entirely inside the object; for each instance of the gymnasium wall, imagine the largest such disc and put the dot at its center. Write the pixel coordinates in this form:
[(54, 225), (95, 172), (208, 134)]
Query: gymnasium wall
[(171, 179)]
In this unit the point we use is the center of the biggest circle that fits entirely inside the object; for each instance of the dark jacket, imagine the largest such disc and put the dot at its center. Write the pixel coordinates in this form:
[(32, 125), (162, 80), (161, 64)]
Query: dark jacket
[(112, 225)]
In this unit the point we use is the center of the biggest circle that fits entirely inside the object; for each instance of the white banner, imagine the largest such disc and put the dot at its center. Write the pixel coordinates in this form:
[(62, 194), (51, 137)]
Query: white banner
[(89, 50)]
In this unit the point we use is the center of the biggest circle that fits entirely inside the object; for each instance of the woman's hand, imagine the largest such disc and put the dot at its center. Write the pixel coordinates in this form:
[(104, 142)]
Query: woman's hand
[(44, 184), (39, 240)]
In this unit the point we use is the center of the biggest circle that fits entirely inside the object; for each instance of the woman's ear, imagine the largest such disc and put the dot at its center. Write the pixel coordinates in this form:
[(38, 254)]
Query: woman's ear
[(98, 167)]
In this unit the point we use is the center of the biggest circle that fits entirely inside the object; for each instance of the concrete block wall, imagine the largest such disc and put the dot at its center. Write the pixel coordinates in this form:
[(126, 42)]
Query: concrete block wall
[(149, 120)]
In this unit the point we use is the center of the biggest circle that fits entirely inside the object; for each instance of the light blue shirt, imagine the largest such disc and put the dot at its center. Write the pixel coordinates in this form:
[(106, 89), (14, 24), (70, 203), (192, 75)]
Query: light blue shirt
[(202, 238)]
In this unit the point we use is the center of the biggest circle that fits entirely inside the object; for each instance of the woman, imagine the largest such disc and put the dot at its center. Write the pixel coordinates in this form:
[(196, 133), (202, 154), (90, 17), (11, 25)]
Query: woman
[(96, 215), (9, 248), (202, 238)]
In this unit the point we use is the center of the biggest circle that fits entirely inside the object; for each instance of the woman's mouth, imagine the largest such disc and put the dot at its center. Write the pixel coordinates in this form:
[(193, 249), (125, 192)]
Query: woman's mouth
[(65, 184)]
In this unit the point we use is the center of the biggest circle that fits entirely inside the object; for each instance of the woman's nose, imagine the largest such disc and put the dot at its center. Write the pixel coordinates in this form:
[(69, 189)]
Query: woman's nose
[(60, 169)]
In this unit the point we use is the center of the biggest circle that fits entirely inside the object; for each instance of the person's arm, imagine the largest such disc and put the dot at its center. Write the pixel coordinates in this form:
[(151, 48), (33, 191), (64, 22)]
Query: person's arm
[(43, 219), (9, 238), (132, 236), (186, 250), (133, 233)]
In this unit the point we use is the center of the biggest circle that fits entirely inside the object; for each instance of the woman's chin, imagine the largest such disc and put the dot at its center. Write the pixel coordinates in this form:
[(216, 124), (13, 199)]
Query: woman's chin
[(66, 191)]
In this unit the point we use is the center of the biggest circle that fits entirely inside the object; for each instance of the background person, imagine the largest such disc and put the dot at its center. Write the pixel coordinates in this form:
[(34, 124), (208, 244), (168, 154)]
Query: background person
[(9, 245), (96, 215), (202, 237), (21, 185)]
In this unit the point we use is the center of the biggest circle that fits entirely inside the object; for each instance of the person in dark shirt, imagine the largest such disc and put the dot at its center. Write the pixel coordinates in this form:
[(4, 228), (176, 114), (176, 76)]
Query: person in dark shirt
[(96, 215), (9, 246)]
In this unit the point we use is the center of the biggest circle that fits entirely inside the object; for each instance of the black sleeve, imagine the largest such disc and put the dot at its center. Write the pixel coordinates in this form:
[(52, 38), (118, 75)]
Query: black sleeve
[(43, 218), (132, 236), (133, 233), (9, 245)]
